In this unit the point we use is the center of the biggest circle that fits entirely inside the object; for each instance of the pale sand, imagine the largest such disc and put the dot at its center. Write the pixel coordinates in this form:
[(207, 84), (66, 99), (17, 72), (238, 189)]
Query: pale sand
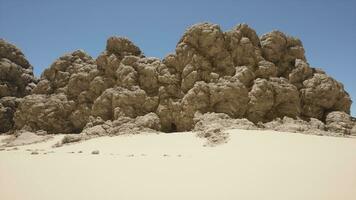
[(252, 165)]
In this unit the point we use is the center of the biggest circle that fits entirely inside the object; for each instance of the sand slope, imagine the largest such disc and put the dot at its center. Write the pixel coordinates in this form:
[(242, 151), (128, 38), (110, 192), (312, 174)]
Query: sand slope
[(252, 165)]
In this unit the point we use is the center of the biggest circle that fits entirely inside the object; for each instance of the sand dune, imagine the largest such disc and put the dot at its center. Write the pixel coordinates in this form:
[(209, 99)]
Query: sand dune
[(252, 165)]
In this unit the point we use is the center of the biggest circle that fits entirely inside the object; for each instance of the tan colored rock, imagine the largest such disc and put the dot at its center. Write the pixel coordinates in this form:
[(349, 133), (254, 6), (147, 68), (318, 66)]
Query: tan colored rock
[(16, 75), (231, 75), (8, 106), (245, 75), (282, 50), (286, 99), (271, 99), (322, 93), (6, 121), (11, 52), (244, 46), (353, 130), (118, 101), (228, 96), (213, 126), (122, 46), (116, 49), (266, 69), (150, 120), (16, 80), (273, 45), (220, 120), (70, 74), (301, 72), (287, 124), (339, 122), (24, 137), (45, 112), (208, 41)]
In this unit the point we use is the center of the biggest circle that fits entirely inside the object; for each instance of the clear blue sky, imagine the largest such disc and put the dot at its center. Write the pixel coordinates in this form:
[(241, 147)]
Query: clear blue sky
[(46, 29)]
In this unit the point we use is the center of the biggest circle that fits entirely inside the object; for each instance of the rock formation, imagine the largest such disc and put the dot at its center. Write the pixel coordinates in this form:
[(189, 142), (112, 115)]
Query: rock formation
[(16, 81), (235, 73)]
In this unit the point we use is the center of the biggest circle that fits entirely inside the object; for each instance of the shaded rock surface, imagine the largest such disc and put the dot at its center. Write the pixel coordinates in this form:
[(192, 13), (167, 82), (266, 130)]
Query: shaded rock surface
[(236, 76), (339, 122), (16, 81)]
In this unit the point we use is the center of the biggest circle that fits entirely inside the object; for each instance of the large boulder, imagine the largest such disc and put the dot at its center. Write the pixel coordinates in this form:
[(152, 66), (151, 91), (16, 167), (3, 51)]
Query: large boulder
[(45, 112), (70, 74), (282, 50), (271, 99), (16, 74), (16, 81), (244, 46), (117, 102), (8, 106), (338, 121), (321, 94)]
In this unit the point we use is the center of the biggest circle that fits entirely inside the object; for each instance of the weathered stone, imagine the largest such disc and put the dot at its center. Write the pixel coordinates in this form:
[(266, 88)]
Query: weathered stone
[(339, 122), (232, 74), (16, 80), (321, 94), (45, 112)]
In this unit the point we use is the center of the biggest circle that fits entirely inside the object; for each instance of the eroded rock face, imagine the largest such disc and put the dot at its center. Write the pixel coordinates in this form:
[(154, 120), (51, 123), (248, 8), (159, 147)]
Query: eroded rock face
[(234, 74), (287, 124), (322, 93), (339, 122), (8, 106), (64, 92), (16, 75), (273, 98), (16, 81), (45, 112)]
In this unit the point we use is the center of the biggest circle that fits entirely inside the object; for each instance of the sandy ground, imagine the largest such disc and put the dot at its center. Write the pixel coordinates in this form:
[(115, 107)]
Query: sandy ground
[(252, 165)]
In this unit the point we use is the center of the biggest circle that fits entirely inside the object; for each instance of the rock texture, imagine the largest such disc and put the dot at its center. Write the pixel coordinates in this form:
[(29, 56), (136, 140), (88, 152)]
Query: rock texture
[(234, 73), (16, 81)]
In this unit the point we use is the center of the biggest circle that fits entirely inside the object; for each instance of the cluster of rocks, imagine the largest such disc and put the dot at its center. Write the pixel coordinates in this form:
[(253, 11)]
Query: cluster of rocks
[(16, 81), (234, 73)]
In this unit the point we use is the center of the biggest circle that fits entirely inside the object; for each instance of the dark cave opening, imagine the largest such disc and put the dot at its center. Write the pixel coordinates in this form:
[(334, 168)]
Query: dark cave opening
[(173, 128)]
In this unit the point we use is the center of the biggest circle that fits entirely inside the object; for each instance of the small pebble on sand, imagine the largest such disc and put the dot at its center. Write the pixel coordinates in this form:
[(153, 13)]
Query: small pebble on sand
[(95, 152)]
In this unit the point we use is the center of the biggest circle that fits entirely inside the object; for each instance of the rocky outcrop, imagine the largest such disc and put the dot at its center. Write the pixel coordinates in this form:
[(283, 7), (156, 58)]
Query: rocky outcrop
[(213, 126), (272, 98), (16, 75), (234, 74), (45, 112), (322, 94), (8, 106), (16, 81), (287, 124), (339, 122)]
